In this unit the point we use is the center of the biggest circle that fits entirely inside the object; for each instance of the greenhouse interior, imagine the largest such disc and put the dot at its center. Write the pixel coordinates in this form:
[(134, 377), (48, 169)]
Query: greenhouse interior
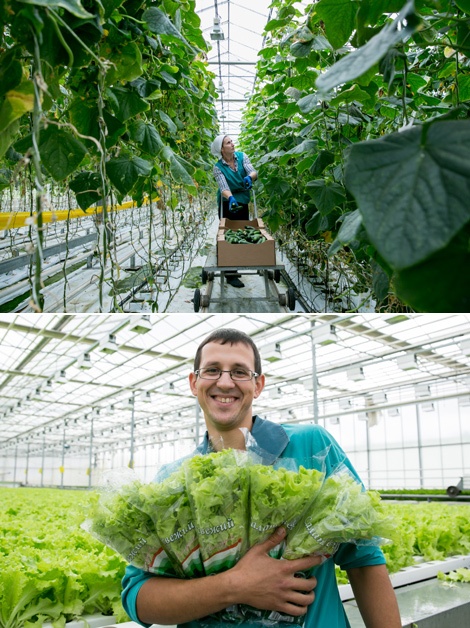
[(354, 115), (93, 401), (294, 176)]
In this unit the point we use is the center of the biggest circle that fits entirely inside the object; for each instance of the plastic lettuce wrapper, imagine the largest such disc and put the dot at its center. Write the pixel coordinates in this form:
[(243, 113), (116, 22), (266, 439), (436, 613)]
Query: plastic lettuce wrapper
[(218, 486), (278, 497), (342, 512), (167, 504), (117, 523)]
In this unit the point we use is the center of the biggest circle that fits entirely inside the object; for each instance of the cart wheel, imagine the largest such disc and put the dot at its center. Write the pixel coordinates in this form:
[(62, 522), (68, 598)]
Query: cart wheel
[(277, 275), (205, 300), (197, 300), (453, 491), (204, 276), (290, 298), (283, 300), (210, 276)]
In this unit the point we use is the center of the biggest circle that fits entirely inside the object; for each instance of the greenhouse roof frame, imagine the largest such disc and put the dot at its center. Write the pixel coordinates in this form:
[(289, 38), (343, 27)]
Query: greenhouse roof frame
[(233, 59), (137, 382)]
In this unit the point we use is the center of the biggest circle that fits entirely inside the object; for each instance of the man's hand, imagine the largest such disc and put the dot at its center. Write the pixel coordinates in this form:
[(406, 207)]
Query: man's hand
[(271, 584), (248, 182)]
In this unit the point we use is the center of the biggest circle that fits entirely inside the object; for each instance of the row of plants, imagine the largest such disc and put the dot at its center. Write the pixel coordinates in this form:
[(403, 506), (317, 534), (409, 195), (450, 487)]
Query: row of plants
[(359, 126), (108, 100), (51, 570)]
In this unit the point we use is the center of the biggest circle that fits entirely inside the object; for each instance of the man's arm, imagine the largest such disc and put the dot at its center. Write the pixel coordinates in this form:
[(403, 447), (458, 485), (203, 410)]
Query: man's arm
[(375, 596), (257, 579)]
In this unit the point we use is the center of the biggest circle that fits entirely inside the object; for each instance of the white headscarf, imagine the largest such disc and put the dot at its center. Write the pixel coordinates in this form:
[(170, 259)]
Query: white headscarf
[(216, 146)]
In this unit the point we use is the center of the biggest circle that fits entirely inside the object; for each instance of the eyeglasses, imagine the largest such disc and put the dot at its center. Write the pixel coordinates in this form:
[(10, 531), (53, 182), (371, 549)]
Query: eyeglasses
[(237, 375)]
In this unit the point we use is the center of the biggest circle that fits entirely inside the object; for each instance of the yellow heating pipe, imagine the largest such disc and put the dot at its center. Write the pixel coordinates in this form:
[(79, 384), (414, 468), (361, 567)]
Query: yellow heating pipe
[(15, 220)]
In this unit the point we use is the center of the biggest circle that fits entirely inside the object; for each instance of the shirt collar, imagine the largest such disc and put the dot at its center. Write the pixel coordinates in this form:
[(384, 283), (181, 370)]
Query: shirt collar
[(234, 157), (270, 438)]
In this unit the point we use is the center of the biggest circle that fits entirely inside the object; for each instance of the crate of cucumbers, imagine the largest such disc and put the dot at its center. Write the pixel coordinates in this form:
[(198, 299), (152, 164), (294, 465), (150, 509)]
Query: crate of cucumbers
[(244, 243)]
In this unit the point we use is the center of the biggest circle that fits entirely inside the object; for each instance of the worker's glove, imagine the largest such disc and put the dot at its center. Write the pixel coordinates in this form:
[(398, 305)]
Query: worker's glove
[(248, 182), (233, 205)]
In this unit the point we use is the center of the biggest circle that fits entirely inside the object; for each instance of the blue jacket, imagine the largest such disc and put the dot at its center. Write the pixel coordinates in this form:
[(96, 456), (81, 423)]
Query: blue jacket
[(303, 443)]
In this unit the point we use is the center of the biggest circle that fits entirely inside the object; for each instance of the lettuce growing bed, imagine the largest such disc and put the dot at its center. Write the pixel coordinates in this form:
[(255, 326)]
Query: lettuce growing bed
[(50, 569), (53, 571)]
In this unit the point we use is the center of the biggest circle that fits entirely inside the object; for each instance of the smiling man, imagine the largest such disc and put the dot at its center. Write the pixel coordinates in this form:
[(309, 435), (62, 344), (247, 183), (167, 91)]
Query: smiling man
[(226, 380), (226, 385)]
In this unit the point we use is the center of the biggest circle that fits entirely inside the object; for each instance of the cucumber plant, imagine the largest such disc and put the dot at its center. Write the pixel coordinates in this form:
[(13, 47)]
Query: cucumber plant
[(106, 98), (359, 126)]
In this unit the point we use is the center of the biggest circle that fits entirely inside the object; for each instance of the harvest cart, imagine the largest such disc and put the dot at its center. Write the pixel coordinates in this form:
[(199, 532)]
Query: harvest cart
[(271, 275), (245, 259)]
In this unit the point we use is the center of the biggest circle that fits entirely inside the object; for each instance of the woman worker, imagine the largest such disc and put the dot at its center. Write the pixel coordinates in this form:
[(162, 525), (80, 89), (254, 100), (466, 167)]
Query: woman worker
[(234, 174)]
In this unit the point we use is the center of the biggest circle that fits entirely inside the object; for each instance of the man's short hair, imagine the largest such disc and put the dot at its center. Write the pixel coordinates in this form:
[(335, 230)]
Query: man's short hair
[(232, 336)]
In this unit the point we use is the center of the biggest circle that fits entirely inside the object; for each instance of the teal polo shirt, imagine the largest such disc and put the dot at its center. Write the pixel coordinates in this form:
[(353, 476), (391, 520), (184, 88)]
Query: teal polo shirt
[(302, 443)]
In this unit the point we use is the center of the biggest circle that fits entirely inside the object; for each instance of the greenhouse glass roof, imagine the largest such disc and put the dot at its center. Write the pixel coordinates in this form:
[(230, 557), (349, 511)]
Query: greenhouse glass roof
[(82, 376), (233, 58)]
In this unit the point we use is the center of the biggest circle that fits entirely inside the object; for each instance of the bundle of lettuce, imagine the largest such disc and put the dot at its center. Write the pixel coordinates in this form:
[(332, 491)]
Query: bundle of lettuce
[(342, 512), (167, 504), (115, 521), (278, 497), (218, 486)]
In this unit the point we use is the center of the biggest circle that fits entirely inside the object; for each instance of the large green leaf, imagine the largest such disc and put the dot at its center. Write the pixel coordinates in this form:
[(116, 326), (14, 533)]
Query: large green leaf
[(464, 87), (126, 64), (17, 102), (11, 72), (88, 188), (160, 24), (369, 11), (380, 281), (309, 103), (349, 230), (123, 172), (72, 6), (146, 135), (61, 153), (129, 103), (464, 5), (179, 169), (413, 189), (316, 224), (353, 94), (324, 159), (307, 146), (339, 19), (167, 78), (442, 282), (86, 119), (326, 195), (168, 121), (359, 61)]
